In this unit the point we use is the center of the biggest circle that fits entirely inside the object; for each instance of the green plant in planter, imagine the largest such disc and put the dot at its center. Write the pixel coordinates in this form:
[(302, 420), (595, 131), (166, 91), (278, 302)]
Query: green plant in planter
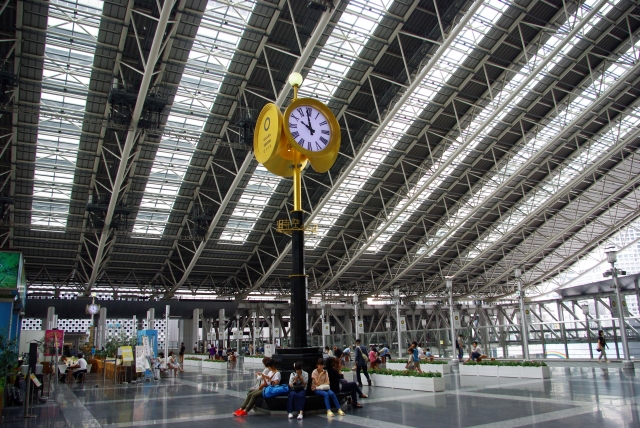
[(115, 342), (8, 360), (407, 373), (507, 363), (193, 359)]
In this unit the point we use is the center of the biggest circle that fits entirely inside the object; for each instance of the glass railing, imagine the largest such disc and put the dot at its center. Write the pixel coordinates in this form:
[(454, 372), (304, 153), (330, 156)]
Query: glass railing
[(554, 339)]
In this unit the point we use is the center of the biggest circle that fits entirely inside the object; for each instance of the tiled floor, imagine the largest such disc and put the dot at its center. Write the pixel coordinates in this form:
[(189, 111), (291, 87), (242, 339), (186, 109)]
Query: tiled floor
[(587, 395)]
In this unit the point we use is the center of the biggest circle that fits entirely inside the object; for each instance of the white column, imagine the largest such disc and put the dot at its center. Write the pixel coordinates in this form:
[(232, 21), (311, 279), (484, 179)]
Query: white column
[(151, 318), (221, 329), (51, 313)]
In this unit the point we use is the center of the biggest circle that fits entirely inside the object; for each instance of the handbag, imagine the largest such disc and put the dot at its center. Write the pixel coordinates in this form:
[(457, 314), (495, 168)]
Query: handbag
[(275, 390), (324, 387)]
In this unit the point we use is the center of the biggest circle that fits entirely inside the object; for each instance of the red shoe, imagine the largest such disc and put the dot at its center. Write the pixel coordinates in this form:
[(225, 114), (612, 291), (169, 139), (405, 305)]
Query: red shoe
[(238, 412), (243, 413)]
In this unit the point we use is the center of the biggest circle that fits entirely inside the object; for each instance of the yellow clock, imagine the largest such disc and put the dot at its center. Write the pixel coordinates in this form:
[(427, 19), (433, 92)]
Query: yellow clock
[(266, 138), (270, 146), (312, 130)]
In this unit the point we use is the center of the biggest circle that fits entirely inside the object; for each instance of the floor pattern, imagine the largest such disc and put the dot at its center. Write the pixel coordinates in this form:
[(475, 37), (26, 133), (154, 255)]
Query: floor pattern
[(577, 395)]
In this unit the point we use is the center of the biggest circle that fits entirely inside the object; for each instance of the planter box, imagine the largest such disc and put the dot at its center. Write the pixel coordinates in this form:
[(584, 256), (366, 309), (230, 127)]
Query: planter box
[(466, 370), (396, 366), (192, 363), (442, 368), (215, 365), (535, 372), (491, 371), (402, 382), (429, 384), (509, 371), (253, 362), (506, 371), (382, 381)]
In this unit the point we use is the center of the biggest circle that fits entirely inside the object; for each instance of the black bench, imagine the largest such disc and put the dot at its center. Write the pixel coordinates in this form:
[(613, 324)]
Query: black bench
[(313, 402)]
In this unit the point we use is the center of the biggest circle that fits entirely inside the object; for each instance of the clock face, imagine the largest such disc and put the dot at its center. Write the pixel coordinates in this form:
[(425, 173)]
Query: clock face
[(309, 127), (93, 309)]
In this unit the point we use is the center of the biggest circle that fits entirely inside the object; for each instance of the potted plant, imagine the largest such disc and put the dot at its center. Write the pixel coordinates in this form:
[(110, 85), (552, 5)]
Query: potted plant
[(192, 362), (216, 365), (405, 379), (523, 369), (8, 360)]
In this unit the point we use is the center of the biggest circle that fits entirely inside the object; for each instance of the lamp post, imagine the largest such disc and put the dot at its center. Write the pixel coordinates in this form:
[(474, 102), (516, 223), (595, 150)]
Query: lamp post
[(612, 258), (517, 272), (273, 327), (355, 309), (255, 330), (396, 295), (449, 283), (322, 325)]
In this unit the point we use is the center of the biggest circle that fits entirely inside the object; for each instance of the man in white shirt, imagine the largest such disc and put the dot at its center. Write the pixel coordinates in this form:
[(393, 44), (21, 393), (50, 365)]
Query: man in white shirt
[(79, 367)]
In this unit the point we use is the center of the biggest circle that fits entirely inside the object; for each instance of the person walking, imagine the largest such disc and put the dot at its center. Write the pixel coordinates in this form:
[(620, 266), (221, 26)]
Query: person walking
[(460, 346), (297, 391), (361, 363), (181, 353), (602, 345)]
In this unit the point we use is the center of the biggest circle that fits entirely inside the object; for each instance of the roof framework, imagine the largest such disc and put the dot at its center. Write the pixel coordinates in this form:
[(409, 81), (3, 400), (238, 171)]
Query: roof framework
[(477, 137)]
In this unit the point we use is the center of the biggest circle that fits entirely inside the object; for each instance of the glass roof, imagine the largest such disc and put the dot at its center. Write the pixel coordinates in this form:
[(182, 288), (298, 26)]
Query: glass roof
[(350, 35), (213, 49), (467, 40), (72, 31), (434, 241), (572, 167)]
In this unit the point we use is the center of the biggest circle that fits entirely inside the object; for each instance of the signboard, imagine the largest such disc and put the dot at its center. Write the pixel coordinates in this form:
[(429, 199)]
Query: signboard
[(53, 339), (360, 326), (269, 349), (326, 329), (35, 380), (614, 307), (456, 320), (276, 331), (9, 269), (142, 363), (127, 354), (403, 324)]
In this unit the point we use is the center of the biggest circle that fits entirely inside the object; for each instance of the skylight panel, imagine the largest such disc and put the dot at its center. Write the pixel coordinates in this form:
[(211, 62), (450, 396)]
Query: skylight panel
[(356, 25), (213, 49), (429, 87), (480, 118), (72, 29)]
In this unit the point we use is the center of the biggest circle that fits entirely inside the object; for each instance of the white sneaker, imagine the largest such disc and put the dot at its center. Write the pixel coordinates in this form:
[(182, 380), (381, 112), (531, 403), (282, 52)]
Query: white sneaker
[(300, 417), (290, 415)]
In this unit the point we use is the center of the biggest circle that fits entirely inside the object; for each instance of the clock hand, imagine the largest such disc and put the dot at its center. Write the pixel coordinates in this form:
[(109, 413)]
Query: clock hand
[(309, 121)]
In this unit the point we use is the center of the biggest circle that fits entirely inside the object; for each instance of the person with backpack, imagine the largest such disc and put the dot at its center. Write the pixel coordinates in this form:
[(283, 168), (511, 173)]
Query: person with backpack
[(361, 363), (602, 345)]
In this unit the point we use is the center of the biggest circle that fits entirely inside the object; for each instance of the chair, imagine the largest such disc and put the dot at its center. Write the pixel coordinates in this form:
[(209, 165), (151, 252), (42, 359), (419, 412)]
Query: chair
[(81, 376)]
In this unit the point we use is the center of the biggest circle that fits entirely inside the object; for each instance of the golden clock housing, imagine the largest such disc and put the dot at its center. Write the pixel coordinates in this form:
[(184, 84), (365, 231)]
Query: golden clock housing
[(313, 130)]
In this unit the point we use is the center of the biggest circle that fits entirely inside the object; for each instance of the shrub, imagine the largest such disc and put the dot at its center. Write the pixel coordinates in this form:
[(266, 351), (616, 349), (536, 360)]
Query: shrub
[(407, 373), (507, 363)]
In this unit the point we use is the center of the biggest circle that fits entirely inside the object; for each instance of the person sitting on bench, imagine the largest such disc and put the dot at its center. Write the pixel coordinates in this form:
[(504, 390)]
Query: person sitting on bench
[(297, 391), (320, 385), (80, 367), (340, 384)]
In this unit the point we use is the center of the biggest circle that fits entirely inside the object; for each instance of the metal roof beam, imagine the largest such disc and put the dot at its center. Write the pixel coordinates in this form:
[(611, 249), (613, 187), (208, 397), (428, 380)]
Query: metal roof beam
[(132, 136)]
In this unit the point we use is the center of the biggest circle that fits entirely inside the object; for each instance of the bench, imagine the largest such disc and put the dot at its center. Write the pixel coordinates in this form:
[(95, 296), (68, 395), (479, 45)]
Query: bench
[(313, 403)]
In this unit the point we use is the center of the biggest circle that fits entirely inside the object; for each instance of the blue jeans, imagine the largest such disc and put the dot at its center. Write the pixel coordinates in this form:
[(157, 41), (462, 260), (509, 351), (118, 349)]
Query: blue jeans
[(296, 400), (329, 394)]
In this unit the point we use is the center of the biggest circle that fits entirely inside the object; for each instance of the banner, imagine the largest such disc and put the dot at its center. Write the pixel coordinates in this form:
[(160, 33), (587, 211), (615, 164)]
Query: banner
[(360, 327), (326, 329), (142, 363), (269, 349), (456, 320), (9, 269), (127, 354), (51, 337), (403, 324)]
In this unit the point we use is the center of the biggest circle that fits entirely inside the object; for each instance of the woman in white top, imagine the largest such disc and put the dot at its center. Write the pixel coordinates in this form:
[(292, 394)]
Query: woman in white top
[(320, 385), (272, 377), (172, 364)]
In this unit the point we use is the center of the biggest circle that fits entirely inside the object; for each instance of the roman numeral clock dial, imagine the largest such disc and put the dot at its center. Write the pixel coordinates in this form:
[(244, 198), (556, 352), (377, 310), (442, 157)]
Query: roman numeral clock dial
[(312, 129)]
